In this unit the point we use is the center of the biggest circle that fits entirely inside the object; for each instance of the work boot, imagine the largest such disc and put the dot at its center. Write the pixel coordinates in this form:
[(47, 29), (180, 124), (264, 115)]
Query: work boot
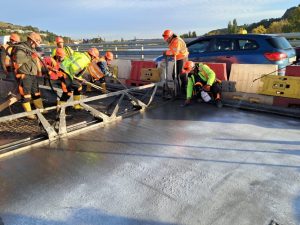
[(59, 103), (27, 108), (103, 86), (88, 88), (219, 103), (77, 106), (38, 103)]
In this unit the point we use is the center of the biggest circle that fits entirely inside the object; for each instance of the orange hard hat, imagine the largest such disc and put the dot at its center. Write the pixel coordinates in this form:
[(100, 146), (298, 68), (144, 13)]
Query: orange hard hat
[(15, 37), (167, 34), (94, 52), (109, 55), (188, 66), (60, 52), (59, 40), (35, 37)]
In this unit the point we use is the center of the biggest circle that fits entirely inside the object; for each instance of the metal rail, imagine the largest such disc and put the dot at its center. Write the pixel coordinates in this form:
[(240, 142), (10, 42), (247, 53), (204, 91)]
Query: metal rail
[(55, 132)]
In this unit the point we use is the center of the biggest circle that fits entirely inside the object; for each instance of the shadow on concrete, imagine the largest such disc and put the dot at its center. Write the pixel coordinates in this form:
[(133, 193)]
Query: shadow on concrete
[(84, 216), (202, 112), (296, 206), (162, 156), (206, 148), (262, 141)]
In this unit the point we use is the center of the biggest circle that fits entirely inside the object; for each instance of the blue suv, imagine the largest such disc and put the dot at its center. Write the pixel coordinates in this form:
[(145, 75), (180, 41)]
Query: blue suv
[(243, 49)]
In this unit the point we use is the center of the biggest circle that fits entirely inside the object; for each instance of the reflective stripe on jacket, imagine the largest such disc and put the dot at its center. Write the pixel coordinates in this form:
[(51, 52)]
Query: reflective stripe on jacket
[(205, 73), (178, 48), (76, 64), (68, 51)]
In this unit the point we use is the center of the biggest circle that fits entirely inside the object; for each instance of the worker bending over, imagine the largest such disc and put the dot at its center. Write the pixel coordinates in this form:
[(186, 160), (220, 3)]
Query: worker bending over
[(201, 78), (99, 70), (72, 70)]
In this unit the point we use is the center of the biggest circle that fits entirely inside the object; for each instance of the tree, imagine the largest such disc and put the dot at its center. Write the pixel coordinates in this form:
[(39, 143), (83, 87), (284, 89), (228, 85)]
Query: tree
[(277, 27), (229, 27), (259, 30), (294, 21), (194, 34), (235, 28)]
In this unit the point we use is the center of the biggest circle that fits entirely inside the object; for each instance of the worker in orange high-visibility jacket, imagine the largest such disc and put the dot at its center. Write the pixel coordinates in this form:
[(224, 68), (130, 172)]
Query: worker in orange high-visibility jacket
[(60, 44), (27, 71), (99, 70), (53, 63), (177, 49), (7, 53)]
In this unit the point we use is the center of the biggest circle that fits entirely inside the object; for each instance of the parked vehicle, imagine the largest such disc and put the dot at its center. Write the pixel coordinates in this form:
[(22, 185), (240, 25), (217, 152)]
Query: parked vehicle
[(242, 49), (297, 49)]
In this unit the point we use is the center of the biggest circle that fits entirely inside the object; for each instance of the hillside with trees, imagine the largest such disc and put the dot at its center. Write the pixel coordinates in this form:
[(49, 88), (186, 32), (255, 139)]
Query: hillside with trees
[(47, 36), (289, 22)]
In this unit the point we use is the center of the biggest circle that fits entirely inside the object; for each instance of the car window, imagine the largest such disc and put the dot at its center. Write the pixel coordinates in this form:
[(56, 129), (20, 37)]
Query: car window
[(198, 47), (246, 44), (223, 45), (279, 42)]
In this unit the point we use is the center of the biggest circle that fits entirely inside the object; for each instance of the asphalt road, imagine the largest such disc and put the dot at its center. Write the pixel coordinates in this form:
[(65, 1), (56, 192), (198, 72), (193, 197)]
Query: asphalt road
[(169, 165)]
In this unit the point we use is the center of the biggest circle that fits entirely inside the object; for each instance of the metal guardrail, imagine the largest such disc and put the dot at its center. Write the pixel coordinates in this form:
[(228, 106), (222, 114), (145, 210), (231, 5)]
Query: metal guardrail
[(148, 48)]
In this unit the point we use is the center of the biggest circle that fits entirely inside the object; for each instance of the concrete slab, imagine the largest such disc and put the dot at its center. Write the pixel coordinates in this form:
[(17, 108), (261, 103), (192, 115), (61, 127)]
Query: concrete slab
[(170, 165)]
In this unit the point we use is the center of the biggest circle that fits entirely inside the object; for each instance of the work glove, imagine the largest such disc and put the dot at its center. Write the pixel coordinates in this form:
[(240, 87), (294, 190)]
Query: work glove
[(187, 102), (206, 88)]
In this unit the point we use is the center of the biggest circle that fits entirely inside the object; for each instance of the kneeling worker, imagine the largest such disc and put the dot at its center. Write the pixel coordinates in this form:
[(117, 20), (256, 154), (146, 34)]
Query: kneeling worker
[(200, 75)]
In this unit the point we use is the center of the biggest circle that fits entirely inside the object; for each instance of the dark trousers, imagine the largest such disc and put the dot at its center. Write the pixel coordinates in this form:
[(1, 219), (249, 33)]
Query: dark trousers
[(29, 87), (68, 86), (182, 77)]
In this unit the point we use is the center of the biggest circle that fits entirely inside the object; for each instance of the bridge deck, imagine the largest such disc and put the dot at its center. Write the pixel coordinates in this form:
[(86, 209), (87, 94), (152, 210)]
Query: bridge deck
[(169, 165)]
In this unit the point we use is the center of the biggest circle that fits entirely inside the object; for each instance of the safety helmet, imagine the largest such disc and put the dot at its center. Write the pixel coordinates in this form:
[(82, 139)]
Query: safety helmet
[(94, 52), (59, 40), (14, 37), (60, 52), (109, 55), (35, 37), (188, 66), (167, 34)]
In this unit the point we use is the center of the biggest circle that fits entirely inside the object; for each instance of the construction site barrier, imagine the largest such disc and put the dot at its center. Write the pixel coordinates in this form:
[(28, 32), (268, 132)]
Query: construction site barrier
[(286, 102), (151, 74), (293, 71), (249, 97), (283, 86), (136, 71), (244, 74), (219, 69)]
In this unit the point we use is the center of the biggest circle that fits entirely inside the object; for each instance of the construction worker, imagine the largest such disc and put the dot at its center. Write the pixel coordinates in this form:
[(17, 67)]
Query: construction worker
[(53, 63), (60, 44), (99, 75), (201, 78), (177, 49), (26, 72), (7, 52), (73, 68)]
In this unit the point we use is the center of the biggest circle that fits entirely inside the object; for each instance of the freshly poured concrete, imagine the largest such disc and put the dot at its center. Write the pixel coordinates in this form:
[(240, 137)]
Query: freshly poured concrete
[(169, 165)]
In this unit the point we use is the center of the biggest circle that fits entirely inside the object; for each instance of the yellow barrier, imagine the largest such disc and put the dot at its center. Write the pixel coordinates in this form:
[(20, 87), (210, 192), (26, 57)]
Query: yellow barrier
[(284, 86), (150, 74)]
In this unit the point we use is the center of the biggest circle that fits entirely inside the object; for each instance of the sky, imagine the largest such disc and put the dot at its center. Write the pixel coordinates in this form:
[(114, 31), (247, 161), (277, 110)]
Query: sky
[(128, 19)]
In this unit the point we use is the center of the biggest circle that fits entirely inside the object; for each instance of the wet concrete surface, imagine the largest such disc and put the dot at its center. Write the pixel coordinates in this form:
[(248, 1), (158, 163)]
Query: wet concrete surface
[(169, 165)]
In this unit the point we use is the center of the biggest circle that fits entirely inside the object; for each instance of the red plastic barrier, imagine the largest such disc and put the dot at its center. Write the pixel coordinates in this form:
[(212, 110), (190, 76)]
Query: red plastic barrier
[(136, 68), (286, 102), (219, 69), (293, 71)]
